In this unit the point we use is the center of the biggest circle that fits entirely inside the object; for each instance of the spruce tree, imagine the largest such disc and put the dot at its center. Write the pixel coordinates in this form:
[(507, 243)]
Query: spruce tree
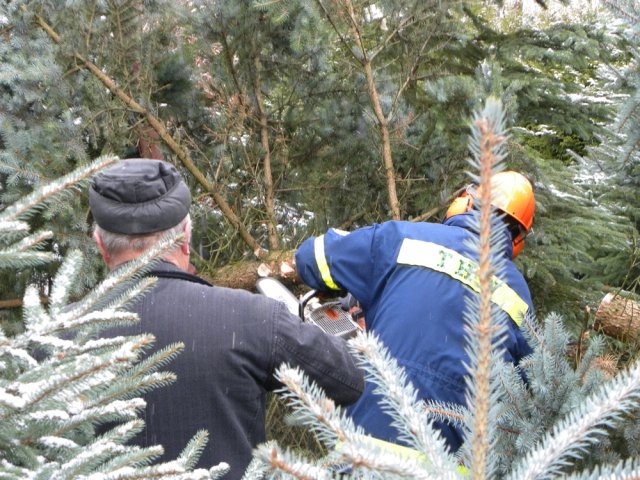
[(40, 140), (552, 120), (617, 158)]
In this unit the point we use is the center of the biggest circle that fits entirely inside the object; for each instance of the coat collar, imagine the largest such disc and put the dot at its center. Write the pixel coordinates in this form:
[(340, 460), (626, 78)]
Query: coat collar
[(164, 269)]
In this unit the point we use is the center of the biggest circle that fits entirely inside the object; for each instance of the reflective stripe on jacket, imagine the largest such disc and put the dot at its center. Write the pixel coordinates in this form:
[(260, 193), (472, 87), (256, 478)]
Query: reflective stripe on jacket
[(411, 280)]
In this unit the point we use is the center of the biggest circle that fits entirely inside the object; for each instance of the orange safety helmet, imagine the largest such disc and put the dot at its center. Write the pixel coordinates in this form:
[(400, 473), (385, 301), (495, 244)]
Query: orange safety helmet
[(512, 195)]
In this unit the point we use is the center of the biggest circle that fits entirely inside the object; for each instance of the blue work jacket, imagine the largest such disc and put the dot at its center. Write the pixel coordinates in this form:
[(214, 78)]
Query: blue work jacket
[(411, 280)]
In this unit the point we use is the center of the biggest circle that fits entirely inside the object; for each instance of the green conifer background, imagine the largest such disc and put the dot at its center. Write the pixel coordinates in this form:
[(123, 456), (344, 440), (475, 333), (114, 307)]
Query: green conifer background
[(235, 84), (274, 124)]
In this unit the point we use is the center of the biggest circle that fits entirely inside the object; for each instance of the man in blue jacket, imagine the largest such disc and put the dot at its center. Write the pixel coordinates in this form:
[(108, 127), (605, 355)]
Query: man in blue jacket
[(411, 280)]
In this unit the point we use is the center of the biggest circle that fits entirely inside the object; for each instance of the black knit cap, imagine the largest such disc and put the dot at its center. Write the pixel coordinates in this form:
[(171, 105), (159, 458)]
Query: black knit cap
[(139, 196)]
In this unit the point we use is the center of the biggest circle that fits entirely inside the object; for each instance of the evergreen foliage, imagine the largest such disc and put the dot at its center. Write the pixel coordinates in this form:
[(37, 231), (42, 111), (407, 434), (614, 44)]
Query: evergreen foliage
[(617, 159), (557, 424), (215, 72), (59, 379), (272, 102), (549, 119), (557, 99), (40, 140)]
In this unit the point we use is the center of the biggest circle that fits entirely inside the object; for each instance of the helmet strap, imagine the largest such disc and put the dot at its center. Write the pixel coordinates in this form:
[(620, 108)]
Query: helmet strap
[(516, 230)]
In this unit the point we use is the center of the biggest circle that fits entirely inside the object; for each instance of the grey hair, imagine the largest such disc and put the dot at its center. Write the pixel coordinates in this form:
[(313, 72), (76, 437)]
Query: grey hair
[(117, 243)]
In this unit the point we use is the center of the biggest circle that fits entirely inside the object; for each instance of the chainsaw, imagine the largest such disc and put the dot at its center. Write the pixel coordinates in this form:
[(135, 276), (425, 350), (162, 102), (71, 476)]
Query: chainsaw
[(335, 317)]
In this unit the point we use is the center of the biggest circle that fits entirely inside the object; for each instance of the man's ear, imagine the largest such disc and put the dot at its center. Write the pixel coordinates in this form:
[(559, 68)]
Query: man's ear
[(103, 251), (185, 247)]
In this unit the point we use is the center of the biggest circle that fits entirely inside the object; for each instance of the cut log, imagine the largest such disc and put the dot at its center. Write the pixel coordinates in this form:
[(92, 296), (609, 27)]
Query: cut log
[(245, 274), (618, 317)]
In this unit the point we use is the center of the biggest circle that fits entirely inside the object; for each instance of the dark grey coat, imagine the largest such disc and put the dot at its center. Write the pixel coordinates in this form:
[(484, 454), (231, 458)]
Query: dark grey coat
[(233, 342)]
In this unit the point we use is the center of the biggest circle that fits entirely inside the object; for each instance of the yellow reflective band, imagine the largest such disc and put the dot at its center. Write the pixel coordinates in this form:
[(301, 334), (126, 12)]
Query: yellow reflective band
[(399, 450), (321, 261), (436, 257)]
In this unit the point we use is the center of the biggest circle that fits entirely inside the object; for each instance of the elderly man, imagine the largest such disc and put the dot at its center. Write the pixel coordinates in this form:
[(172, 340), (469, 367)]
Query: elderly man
[(234, 340)]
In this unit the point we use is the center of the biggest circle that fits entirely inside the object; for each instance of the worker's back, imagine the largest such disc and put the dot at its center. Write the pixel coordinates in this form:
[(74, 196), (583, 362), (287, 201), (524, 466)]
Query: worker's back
[(411, 280)]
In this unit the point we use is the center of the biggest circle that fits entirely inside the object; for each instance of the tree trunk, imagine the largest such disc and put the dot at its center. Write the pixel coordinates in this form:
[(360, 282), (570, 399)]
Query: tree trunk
[(269, 201), (383, 124), (618, 317)]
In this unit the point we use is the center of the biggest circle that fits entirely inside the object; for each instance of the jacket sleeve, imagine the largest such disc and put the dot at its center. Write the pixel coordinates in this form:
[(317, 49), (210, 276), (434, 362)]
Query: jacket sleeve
[(340, 261), (324, 358)]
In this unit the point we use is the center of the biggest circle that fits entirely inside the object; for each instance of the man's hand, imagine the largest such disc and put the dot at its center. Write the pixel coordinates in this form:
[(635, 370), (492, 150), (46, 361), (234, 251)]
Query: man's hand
[(288, 269)]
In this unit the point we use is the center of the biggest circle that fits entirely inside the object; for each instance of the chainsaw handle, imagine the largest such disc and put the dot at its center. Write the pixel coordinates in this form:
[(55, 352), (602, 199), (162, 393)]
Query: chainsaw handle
[(303, 302)]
